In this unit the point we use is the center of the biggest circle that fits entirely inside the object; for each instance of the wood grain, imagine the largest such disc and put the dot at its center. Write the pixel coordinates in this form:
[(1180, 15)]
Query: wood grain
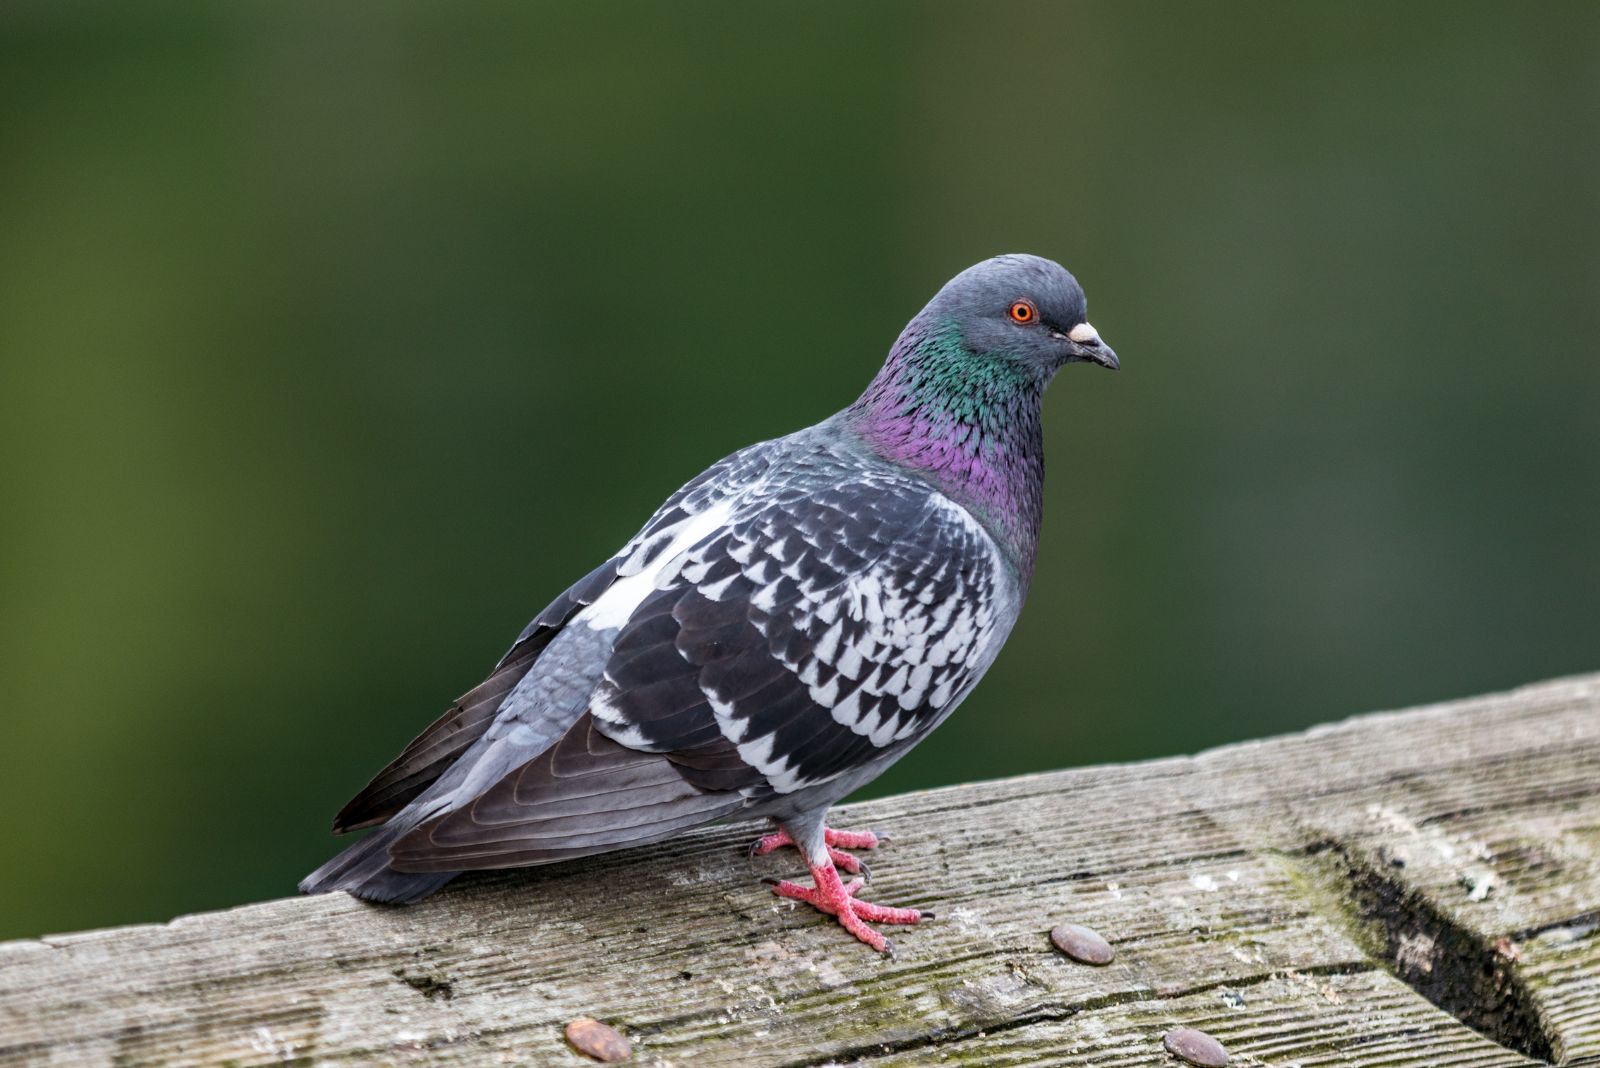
[(1405, 889)]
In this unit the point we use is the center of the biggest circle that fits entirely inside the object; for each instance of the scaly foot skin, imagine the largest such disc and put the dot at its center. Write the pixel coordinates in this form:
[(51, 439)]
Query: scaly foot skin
[(838, 899), (836, 841)]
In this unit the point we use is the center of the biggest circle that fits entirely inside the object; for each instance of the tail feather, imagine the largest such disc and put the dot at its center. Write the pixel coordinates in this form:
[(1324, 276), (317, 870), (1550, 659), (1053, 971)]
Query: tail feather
[(584, 795), (364, 870), (432, 752)]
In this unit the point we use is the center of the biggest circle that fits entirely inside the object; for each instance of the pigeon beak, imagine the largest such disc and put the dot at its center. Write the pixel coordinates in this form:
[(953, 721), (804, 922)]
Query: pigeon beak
[(1088, 348)]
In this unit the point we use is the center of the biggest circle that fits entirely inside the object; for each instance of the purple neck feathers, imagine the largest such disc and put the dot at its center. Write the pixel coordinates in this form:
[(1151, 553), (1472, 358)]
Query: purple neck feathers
[(968, 423)]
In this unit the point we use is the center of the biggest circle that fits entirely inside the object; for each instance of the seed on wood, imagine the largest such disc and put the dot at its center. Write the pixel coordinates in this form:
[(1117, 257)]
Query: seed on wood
[(595, 1039), (1081, 943), (1196, 1047)]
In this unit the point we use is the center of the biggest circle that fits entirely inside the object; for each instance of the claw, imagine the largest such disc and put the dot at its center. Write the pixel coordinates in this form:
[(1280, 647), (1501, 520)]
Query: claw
[(849, 862)]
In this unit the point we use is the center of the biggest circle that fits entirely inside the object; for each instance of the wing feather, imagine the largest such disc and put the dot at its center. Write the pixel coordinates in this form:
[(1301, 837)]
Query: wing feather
[(448, 738), (430, 753), (856, 618), (583, 795), (815, 632)]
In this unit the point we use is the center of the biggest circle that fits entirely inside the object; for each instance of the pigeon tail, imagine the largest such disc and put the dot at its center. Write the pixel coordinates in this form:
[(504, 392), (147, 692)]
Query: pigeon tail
[(364, 870)]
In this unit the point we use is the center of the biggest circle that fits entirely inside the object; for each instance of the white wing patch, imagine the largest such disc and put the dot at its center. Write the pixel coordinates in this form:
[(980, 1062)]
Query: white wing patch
[(781, 775), (648, 568)]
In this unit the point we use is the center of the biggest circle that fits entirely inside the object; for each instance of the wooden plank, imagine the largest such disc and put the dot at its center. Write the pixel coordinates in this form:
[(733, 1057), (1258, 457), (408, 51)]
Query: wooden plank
[(1296, 897)]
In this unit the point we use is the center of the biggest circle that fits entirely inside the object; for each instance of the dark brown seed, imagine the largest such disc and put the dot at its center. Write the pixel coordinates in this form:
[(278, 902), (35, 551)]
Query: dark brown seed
[(1081, 943), (1196, 1047), (597, 1040)]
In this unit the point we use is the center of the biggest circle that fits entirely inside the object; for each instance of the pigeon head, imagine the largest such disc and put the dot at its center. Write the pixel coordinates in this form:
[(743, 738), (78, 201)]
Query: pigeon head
[(1019, 308), (958, 399)]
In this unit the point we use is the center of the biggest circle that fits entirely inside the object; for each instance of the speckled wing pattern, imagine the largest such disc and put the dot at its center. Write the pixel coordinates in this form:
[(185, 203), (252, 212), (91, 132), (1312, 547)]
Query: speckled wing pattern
[(790, 623), (818, 629)]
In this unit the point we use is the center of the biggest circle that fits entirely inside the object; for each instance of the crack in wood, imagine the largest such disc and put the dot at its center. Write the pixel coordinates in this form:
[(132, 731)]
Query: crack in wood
[(1426, 948)]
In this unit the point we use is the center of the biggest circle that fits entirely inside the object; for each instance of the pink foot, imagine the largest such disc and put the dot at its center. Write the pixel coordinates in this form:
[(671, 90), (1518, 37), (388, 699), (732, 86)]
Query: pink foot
[(838, 899), (836, 841)]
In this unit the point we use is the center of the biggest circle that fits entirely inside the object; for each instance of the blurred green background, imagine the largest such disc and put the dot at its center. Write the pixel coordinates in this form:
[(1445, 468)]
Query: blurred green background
[(335, 343)]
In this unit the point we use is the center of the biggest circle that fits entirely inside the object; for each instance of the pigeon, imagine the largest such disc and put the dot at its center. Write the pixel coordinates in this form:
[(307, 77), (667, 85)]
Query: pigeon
[(785, 627)]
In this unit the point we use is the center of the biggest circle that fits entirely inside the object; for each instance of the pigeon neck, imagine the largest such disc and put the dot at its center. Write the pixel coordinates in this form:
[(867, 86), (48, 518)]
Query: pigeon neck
[(968, 423)]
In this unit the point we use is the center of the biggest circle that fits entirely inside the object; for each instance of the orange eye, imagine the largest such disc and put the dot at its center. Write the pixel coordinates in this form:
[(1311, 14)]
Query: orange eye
[(1023, 311)]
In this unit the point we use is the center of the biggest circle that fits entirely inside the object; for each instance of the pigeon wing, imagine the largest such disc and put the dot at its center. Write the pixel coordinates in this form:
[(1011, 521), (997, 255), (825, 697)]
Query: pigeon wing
[(817, 631), (433, 751), (449, 736), (833, 628)]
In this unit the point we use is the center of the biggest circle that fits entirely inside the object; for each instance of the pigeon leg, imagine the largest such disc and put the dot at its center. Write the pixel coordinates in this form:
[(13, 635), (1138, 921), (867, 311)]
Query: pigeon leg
[(829, 894), (835, 841)]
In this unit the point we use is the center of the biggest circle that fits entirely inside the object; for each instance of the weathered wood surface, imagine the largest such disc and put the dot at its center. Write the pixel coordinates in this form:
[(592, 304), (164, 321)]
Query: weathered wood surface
[(1290, 896)]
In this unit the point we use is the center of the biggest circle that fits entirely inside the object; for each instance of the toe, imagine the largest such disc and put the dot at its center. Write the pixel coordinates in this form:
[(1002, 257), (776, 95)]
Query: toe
[(767, 843), (855, 926), (853, 839), (887, 913), (845, 861), (785, 888)]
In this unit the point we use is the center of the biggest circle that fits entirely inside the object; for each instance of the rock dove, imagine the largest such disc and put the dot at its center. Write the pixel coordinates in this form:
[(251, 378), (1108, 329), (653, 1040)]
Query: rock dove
[(786, 626)]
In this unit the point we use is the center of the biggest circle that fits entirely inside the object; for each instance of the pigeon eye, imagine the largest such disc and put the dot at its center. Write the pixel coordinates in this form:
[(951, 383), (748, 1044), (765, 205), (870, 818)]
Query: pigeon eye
[(1023, 311)]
